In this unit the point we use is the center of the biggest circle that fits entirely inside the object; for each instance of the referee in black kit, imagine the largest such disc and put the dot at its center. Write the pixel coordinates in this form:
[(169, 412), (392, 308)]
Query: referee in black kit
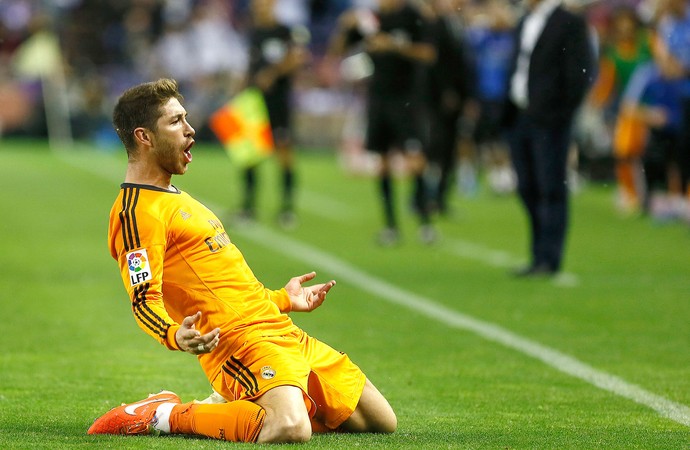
[(396, 38)]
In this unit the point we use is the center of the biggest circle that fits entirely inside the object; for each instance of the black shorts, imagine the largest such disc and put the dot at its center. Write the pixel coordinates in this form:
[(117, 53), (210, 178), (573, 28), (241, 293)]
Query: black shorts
[(662, 151), (488, 127), (278, 106), (395, 123)]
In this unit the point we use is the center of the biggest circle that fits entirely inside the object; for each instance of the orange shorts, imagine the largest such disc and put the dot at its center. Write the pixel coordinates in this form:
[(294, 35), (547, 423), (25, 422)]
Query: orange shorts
[(331, 382), (629, 137)]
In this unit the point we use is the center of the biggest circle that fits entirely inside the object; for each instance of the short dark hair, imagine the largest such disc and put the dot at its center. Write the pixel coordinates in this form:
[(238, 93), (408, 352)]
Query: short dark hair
[(140, 106)]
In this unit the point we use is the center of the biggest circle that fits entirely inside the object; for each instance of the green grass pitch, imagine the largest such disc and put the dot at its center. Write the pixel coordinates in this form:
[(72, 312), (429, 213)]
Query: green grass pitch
[(71, 349)]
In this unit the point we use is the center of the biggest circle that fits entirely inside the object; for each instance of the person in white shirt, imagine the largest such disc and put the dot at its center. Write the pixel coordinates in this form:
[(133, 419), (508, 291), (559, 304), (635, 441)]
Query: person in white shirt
[(553, 67)]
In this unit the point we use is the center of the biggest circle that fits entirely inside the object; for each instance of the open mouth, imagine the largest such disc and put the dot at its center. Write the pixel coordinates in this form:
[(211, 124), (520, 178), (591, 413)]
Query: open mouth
[(188, 152)]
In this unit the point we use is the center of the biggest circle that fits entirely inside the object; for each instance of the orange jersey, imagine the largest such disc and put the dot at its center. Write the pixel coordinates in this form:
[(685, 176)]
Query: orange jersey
[(176, 259)]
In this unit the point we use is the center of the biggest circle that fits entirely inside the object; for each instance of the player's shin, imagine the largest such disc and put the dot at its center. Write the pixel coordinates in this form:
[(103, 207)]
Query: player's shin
[(238, 421)]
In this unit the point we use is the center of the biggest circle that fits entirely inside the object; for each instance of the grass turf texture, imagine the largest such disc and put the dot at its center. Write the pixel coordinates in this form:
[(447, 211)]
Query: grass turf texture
[(71, 349)]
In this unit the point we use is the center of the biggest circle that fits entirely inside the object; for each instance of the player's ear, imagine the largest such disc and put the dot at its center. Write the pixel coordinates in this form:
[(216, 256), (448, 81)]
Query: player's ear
[(143, 136)]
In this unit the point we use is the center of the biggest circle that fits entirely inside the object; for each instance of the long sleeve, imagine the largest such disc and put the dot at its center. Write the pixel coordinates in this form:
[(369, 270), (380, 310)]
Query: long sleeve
[(137, 242), (280, 298), (146, 296)]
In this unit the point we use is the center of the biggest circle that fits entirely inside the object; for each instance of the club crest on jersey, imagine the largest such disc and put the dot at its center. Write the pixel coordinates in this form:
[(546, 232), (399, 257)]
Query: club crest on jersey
[(267, 372), (139, 267)]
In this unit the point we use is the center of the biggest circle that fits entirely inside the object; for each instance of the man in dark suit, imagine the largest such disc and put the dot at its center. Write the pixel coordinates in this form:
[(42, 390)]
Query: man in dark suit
[(553, 66)]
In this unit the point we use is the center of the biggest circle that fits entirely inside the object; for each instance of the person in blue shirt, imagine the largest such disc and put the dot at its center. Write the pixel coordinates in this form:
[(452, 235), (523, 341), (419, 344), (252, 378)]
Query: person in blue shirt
[(673, 31), (655, 99), (492, 45)]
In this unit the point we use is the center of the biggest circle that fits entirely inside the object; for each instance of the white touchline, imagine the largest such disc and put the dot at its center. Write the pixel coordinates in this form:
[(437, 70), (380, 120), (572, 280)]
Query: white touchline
[(498, 258), (295, 249), (338, 210), (326, 207)]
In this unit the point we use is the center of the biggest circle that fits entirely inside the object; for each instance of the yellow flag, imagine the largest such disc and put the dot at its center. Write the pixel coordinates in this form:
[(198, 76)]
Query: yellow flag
[(243, 127)]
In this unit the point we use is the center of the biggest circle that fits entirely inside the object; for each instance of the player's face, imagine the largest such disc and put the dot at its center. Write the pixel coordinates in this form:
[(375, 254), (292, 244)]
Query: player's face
[(174, 138)]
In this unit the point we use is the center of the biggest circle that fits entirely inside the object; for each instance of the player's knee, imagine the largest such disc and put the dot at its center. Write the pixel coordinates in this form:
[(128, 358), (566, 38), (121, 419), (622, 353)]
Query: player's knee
[(385, 423), (300, 432), (389, 423), (287, 429), (380, 420), (295, 431)]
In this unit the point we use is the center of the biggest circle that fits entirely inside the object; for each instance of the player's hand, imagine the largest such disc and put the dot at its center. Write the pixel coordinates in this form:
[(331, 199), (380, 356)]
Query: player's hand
[(305, 299), (192, 341)]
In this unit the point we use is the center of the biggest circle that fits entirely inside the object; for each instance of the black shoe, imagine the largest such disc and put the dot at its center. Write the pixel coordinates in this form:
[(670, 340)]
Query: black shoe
[(535, 270), (388, 237), (287, 220), (427, 234), (244, 217)]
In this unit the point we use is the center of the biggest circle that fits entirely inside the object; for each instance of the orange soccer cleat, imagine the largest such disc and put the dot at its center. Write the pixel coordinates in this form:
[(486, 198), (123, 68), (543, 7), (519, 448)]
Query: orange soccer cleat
[(134, 418)]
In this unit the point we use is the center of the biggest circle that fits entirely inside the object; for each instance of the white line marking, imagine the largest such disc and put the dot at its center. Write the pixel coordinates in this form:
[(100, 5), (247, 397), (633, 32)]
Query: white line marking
[(295, 249), (326, 207), (476, 252), (498, 258)]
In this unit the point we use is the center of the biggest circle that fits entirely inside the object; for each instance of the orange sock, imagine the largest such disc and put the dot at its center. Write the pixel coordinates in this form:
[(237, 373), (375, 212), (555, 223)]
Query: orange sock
[(238, 421), (625, 174)]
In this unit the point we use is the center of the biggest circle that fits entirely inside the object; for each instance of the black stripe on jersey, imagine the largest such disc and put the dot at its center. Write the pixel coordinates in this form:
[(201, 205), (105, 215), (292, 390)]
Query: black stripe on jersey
[(146, 315), (159, 329), (137, 241), (124, 219), (128, 219), (242, 374), (155, 331)]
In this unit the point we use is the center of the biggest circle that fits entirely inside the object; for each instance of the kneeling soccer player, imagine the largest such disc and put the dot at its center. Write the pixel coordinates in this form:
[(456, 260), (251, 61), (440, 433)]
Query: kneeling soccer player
[(192, 290)]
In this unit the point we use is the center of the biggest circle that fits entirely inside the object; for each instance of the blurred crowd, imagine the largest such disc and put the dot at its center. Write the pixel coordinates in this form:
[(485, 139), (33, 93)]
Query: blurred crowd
[(81, 54), (108, 45)]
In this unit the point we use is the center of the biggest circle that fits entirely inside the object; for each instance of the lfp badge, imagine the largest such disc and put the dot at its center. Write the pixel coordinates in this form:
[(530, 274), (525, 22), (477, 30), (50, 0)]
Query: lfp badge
[(139, 267)]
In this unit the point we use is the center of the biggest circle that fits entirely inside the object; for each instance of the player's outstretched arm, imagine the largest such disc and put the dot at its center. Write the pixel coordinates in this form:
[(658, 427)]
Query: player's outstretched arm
[(192, 341), (307, 298)]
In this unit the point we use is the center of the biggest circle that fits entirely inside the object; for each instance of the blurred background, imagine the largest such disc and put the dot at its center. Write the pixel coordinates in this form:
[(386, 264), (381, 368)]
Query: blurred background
[(64, 62), (84, 53)]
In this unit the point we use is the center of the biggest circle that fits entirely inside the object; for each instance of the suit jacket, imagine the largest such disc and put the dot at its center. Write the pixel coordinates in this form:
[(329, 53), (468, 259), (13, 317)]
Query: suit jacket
[(561, 70)]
